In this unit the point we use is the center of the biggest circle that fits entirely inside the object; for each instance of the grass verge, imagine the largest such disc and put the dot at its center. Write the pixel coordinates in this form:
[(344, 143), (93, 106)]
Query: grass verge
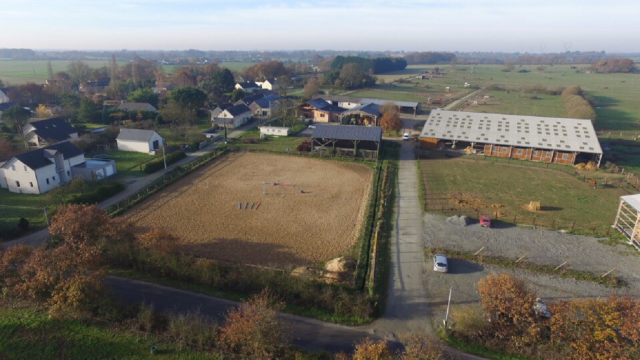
[(507, 263), (477, 349)]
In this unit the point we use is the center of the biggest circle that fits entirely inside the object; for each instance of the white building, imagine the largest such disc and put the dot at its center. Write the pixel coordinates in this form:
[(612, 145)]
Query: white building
[(234, 116), (144, 141), (628, 218), (41, 170), (42, 132), (274, 131), (268, 84), (3, 97)]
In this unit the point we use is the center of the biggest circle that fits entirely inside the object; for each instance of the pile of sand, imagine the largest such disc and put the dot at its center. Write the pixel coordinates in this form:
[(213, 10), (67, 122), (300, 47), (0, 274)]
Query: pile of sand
[(458, 220)]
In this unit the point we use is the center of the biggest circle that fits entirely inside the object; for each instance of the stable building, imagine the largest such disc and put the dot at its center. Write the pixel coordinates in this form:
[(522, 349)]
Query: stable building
[(628, 219), (552, 140), (351, 140)]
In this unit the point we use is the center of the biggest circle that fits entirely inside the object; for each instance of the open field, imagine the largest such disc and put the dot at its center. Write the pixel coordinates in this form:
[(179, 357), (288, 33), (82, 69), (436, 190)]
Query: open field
[(20, 72), (514, 102), (285, 227), (502, 189)]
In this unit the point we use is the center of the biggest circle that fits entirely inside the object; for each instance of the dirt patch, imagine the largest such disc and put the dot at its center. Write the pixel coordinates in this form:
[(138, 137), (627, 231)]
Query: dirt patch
[(224, 212)]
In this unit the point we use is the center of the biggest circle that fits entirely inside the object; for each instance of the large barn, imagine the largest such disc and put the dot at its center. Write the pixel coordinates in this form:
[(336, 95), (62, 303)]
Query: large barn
[(359, 141), (552, 140)]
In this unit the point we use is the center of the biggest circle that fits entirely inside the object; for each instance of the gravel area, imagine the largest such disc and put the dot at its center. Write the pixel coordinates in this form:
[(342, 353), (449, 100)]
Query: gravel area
[(541, 246)]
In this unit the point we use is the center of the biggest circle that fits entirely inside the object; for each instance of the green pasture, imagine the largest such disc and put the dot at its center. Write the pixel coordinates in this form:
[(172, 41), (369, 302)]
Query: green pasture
[(231, 65), (20, 72)]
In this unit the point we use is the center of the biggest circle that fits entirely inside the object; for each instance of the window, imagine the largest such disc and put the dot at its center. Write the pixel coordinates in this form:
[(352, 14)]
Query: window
[(13, 167), (68, 173), (47, 181), (54, 178), (25, 168), (504, 150), (535, 153), (565, 156), (18, 183), (519, 152), (30, 183), (322, 114)]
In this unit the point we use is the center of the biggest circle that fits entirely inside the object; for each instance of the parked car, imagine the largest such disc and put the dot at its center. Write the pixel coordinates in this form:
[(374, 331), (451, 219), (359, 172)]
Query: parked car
[(440, 263), (485, 221), (405, 136), (312, 126)]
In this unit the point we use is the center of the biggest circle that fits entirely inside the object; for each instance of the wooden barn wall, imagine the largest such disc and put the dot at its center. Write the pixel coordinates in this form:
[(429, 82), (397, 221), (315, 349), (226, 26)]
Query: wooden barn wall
[(428, 143)]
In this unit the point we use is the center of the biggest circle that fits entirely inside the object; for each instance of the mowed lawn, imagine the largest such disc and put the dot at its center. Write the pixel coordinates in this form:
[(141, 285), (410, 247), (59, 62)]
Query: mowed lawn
[(129, 163), (506, 189), (27, 334), (14, 206)]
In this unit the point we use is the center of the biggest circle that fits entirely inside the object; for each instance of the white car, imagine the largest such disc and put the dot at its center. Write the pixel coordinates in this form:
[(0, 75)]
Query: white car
[(405, 136), (440, 263), (312, 126)]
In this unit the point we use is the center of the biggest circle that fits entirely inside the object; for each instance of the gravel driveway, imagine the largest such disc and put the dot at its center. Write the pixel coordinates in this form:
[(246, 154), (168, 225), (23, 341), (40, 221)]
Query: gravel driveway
[(542, 246)]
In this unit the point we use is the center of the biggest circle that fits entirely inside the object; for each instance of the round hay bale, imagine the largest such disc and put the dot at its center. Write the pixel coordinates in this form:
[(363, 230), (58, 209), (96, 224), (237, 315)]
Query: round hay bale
[(341, 264)]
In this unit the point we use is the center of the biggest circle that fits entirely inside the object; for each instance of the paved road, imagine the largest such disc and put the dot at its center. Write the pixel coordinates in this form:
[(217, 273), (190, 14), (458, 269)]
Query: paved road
[(306, 333), (133, 185)]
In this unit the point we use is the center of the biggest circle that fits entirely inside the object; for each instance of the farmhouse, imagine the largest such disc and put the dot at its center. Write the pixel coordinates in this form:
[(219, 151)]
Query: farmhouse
[(361, 141), (551, 140), (41, 170), (628, 218), (130, 106), (274, 131), (321, 111), (41, 132), (248, 86), (268, 84), (263, 106), (234, 116), (138, 140)]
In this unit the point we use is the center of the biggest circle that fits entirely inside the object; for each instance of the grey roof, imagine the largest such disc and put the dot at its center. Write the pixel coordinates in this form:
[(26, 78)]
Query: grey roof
[(513, 130), (135, 135), (249, 99), (238, 109), (411, 104), (249, 85), (339, 98), (53, 129), (131, 106), (632, 200), (318, 103), (371, 109), (38, 158), (7, 105), (348, 132)]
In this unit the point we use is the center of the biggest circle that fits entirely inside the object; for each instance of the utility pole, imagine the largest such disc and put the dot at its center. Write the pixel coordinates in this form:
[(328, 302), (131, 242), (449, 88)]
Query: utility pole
[(164, 155), (446, 317), (46, 216)]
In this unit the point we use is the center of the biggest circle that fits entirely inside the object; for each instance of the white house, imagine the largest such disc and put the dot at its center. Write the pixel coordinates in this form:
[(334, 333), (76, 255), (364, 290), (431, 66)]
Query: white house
[(144, 141), (234, 116), (268, 84), (274, 131), (3, 96), (248, 86), (41, 170), (41, 132)]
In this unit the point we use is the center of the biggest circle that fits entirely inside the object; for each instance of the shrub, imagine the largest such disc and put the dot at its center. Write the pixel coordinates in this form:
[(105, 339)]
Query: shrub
[(157, 164), (370, 350), (98, 195), (422, 347), (192, 329), (23, 224)]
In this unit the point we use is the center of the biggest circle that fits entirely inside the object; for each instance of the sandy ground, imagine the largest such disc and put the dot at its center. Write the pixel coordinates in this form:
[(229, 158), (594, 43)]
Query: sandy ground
[(542, 246), (285, 227)]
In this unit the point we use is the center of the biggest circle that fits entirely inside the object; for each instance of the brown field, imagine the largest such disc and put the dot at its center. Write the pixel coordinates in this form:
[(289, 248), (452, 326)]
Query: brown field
[(288, 227)]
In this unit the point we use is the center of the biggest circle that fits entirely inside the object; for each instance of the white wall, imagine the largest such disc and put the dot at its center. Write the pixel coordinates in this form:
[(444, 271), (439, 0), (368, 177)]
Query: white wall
[(137, 146), (274, 131), (26, 178), (3, 97), (347, 105), (155, 137), (236, 121)]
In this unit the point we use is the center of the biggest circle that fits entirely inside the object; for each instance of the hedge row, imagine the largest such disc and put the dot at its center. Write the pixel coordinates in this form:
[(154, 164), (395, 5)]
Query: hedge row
[(100, 194), (157, 164)]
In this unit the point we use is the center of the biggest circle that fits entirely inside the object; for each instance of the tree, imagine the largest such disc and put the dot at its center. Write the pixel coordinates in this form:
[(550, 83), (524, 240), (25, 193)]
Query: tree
[(177, 114), (87, 111), (390, 120), (351, 75), (254, 329), (311, 87), (16, 117), (159, 241), (7, 150), (79, 71), (144, 95), (508, 67), (49, 70), (284, 83), (42, 112), (237, 94), (189, 98), (370, 350)]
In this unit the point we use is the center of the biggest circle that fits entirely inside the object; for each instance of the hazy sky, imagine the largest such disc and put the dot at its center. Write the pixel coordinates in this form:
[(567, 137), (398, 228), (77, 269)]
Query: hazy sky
[(463, 25)]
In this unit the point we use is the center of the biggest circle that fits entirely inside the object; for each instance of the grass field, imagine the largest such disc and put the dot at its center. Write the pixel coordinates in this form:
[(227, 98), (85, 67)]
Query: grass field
[(14, 206), (505, 189), (20, 72), (128, 162), (231, 65), (502, 102), (285, 227), (31, 334)]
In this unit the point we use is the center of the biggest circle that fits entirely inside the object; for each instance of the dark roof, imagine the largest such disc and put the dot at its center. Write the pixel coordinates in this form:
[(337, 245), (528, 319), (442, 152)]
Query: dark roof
[(318, 103), (55, 129), (249, 99), (35, 159), (7, 105), (238, 109), (249, 85), (338, 98), (132, 106), (135, 135), (266, 101), (348, 132), (330, 108), (373, 109)]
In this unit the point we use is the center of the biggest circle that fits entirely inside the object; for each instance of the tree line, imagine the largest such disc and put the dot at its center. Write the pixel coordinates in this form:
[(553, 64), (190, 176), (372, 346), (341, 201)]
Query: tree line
[(613, 65), (430, 57), (575, 104), (370, 65)]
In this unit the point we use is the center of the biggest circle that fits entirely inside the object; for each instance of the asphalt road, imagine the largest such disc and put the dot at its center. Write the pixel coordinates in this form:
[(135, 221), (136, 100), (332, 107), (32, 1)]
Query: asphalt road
[(308, 334)]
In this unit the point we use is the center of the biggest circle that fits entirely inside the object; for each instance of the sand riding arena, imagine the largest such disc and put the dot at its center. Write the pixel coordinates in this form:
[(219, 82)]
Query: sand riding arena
[(263, 209)]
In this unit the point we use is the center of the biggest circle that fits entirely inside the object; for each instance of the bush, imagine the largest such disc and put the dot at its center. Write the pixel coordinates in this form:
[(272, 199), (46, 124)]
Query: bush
[(369, 350), (157, 164), (100, 194), (23, 224)]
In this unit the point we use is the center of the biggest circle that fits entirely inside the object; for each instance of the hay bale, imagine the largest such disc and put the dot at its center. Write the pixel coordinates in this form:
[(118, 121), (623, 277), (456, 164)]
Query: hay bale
[(591, 166), (456, 220), (534, 206), (340, 265), (580, 166)]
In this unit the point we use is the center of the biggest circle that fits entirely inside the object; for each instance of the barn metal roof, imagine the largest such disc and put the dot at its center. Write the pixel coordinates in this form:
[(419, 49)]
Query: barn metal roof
[(632, 200), (513, 130), (348, 132), (139, 135), (411, 104)]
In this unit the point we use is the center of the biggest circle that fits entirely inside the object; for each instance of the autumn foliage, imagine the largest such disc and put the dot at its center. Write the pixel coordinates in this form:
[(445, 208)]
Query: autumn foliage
[(613, 65), (390, 120)]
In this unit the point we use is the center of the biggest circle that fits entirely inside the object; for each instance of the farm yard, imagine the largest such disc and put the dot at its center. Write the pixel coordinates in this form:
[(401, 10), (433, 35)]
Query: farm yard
[(475, 187), (316, 219)]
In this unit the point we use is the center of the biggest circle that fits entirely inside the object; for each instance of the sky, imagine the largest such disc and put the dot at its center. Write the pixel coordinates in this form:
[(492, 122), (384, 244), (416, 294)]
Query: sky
[(533, 26)]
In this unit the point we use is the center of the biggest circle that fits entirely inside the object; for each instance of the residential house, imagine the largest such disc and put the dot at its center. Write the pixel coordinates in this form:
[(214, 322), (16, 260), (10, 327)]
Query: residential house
[(41, 170), (42, 132), (234, 116), (131, 106), (247, 100), (263, 106), (3, 96), (138, 140), (95, 86), (218, 110), (248, 86), (268, 84), (321, 111)]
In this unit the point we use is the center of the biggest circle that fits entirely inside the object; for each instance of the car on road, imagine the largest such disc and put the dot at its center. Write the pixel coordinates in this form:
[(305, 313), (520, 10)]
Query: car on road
[(405, 136), (485, 221), (440, 263), (312, 126)]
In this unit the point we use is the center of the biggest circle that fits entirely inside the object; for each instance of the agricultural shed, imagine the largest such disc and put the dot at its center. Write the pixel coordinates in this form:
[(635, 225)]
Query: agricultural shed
[(368, 115), (138, 140), (363, 141), (551, 140), (628, 218), (403, 106)]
